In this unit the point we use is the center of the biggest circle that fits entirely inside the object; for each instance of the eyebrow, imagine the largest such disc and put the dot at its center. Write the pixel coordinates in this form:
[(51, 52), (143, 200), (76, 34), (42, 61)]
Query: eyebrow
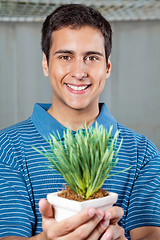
[(94, 52), (85, 53), (64, 51)]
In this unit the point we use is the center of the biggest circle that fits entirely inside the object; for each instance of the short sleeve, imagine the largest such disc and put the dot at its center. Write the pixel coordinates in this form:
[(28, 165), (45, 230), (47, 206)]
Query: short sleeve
[(144, 204), (16, 211)]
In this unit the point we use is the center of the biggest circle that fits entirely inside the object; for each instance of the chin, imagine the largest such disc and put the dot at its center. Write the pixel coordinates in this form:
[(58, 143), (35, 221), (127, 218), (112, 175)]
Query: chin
[(79, 107)]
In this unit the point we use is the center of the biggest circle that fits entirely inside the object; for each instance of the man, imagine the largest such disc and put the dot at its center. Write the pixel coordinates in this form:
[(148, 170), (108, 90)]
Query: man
[(76, 44)]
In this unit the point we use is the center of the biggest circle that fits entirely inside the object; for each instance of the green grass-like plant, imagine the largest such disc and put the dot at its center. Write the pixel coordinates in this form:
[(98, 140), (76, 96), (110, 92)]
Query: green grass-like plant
[(85, 158)]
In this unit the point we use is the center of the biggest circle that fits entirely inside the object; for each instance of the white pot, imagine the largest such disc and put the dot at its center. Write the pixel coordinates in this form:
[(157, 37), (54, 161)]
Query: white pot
[(65, 208)]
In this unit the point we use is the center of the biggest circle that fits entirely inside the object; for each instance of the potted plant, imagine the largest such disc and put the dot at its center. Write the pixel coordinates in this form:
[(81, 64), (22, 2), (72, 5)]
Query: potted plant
[(85, 159)]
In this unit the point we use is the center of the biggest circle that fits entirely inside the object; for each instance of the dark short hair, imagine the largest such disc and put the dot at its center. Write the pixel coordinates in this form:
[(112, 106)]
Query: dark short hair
[(75, 16)]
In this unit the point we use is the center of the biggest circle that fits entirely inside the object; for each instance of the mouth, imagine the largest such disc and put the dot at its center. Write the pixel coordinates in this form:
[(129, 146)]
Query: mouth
[(78, 88)]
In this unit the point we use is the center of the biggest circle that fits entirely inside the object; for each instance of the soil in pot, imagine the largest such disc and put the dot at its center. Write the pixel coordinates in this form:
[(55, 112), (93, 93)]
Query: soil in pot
[(69, 194)]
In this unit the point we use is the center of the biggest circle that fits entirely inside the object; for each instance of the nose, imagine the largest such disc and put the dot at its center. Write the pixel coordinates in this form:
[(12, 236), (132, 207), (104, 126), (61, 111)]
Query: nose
[(78, 69)]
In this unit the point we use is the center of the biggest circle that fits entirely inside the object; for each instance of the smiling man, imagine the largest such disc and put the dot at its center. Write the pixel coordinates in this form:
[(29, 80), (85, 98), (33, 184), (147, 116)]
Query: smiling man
[(77, 70), (76, 45)]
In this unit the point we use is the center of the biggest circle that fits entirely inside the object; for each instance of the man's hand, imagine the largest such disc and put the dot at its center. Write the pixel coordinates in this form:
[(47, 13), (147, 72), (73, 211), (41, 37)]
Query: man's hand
[(88, 224), (114, 231), (84, 225)]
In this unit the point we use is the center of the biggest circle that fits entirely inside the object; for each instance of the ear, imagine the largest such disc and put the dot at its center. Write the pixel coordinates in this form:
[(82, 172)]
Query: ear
[(45, 65), (108, 71)]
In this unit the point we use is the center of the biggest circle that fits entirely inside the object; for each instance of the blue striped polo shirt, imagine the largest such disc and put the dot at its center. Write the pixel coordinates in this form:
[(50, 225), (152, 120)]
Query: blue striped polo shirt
[(24, 178)]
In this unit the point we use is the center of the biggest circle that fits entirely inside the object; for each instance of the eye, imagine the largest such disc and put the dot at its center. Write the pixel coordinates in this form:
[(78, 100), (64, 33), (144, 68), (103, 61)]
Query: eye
[(91, 58), (65, 57)]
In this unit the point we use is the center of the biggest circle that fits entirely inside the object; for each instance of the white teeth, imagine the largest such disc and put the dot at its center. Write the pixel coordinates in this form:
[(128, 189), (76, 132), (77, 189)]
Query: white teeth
[(76, 88)]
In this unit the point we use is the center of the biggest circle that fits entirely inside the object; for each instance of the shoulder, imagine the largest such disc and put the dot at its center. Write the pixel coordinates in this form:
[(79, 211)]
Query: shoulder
[(127, 132), (21, 126), (13, 140), (138, 143), (18, 130)]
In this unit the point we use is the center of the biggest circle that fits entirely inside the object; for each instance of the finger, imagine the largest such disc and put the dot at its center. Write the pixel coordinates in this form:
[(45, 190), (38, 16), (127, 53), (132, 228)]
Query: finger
[(46, 209), (91, 229), (48, 220), (99, 230), (72, 223), (114, 232), (60, 229), (114, 214)]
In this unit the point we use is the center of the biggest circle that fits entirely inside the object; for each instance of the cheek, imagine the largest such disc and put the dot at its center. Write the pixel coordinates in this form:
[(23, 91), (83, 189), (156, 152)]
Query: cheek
[(58, 72), (100, 81), (100, 76), (55, 74)]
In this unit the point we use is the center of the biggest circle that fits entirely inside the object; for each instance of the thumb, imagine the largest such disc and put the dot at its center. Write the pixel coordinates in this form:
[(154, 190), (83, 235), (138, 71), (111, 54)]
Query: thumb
[(46, 209)]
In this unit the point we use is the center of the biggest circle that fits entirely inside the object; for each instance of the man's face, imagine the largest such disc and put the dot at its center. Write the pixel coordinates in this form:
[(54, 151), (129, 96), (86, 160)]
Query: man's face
[(77, 67)]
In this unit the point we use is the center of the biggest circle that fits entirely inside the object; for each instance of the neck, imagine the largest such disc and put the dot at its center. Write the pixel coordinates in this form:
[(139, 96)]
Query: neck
[(74, 118)]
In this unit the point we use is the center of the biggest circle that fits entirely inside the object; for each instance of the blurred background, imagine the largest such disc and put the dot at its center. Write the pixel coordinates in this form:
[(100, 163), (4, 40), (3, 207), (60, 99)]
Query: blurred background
[(132, 92)]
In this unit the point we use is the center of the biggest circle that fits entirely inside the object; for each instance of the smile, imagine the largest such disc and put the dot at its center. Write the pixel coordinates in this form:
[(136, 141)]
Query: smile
[(77, 88)]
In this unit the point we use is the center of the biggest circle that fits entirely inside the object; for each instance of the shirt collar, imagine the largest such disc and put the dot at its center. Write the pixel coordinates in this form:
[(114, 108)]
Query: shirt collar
[(46, 124)]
